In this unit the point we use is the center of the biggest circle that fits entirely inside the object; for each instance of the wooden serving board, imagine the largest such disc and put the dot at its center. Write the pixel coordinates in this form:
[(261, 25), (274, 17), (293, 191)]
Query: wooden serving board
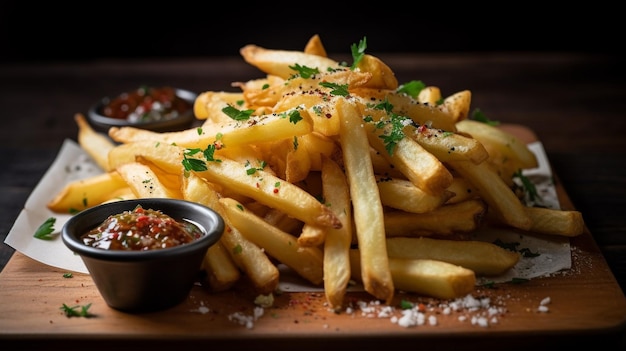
[(584, 302)]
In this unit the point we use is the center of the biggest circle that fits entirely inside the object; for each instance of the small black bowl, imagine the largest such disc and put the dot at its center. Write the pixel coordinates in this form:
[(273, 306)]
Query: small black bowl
[(100, 122), (150, 280)]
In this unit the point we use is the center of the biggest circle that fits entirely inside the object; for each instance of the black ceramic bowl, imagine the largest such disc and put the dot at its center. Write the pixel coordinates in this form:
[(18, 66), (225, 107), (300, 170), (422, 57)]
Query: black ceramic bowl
[(150, 280), (101, 122)]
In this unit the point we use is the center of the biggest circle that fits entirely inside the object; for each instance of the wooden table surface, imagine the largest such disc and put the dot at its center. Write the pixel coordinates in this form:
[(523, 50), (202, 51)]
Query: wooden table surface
[(573, 102)]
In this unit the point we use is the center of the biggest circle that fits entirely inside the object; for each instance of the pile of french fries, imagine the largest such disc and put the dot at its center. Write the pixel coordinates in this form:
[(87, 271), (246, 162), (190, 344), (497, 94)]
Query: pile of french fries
[(337, 171)]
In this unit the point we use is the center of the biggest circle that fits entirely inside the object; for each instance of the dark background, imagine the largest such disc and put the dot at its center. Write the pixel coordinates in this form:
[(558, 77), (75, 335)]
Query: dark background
[(31, 32)]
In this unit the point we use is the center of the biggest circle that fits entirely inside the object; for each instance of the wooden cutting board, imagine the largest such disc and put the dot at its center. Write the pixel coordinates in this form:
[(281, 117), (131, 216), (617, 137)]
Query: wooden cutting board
[(585, 300)]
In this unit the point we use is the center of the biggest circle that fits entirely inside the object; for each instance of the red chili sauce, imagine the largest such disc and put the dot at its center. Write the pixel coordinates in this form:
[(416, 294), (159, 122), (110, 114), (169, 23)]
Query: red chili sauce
[(147, 104), (140, 230)]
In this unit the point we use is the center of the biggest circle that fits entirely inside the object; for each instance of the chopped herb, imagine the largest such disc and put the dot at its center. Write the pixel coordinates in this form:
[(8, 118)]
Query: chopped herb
[(193, 164), (479, 116), (304, 71), (237, 115), (337, 89), (68, 275), (237, 249), (527, 186), (295, 143), (240, 207), (265, 86), (199, 130), (358, 51), (76, 311), (294, 116), (406, 305), (411, 88), (45, 230)]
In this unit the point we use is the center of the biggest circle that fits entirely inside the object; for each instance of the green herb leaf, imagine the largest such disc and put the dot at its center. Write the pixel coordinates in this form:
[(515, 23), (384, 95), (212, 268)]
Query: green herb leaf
[(45, 230), (237, 115), (479, 116), (358, 51), (76, 311), (411, 88), (304, 71), (337, 89)]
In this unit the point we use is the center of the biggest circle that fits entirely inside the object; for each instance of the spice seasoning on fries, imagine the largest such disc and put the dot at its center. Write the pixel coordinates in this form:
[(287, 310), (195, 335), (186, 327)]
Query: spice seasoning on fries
[(336, 171)]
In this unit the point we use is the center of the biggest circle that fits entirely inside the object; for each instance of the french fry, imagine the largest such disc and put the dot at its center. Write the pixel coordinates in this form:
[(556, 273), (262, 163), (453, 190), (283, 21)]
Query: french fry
[(461, 217), (457, 105), (85, 193), (429, 96), (209, 105), (482, 257), (403, 195), (337, 242), (270, 190), (367, 207), (495, 192), (312, 235), (556, 222), (306, 261), (422, 168), (222, 273), (144, 182), (256, 129), (97, 145), (382, 75), (433, 278), (278, 62), (315, 47), (507, 153)]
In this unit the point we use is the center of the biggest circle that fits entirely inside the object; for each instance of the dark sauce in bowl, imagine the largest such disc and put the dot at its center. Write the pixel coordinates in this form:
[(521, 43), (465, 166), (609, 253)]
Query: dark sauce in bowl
[(139, 230), (147, 104)]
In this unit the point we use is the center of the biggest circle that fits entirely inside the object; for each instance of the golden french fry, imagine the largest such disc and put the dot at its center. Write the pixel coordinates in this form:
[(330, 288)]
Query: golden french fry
[(85, 193), (556, 222), (432, 278), (367, 207), (495, 192), (422, 114), (270, 190), (461, 217), (209, 105), (447, 146), (315, 47), (312, 235), (97, 145), (430, 95), (457, 105), (419, 166), (482, 257), (144, 182), (382, 75), (403, 195), (278, 62), (337, 241), (246, 255), (222, 273), (256, 129), (507, 153), (219, 264), (306, 261)]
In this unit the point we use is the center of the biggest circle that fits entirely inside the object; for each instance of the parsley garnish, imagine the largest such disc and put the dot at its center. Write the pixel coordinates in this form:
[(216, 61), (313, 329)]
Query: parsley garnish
[(411, 88), (45, 230), (237, 115), (337, 89), (358, 51), (304, 71), (479, 116), (74, 311), (529, 187)]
